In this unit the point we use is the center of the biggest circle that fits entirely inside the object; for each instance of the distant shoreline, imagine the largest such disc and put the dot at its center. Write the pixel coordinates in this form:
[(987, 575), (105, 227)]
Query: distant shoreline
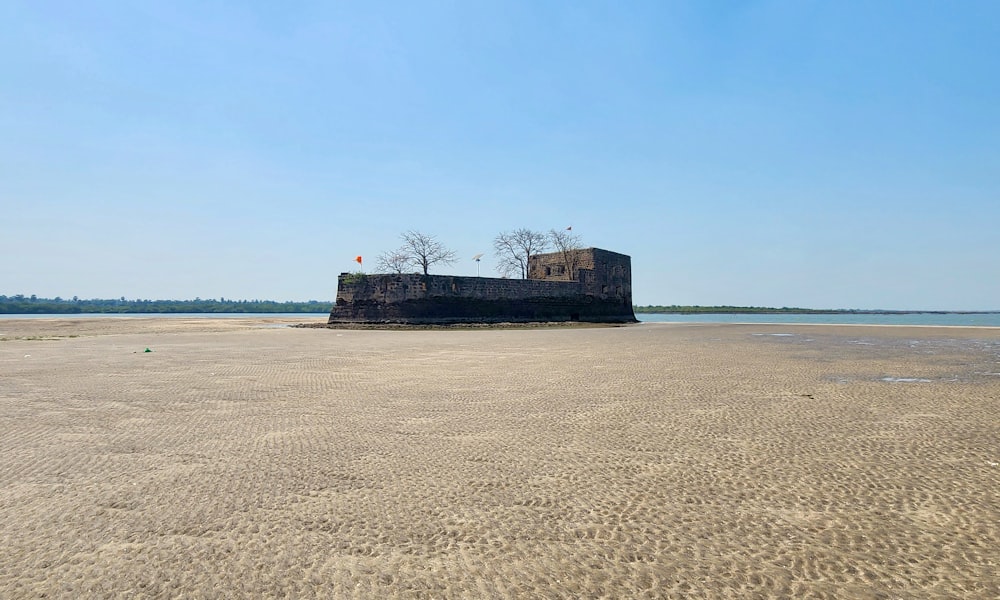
[(32, 305), (733, 310), (707, 310)]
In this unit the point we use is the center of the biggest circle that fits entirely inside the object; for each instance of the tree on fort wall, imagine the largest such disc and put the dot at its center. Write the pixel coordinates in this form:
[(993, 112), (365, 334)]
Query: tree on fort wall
[(393, 261), (418, 250), (514, 248), (567, 244)]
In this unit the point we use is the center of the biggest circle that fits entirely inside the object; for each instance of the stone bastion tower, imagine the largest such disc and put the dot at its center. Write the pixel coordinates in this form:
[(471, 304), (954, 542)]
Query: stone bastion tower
[(589, 284)]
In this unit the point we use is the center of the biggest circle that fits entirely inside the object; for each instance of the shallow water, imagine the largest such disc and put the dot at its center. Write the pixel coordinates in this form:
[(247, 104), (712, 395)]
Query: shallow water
[(929, 319)]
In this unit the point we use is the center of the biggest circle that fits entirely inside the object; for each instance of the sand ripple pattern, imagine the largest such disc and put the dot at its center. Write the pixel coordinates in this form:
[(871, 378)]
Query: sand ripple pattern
[(654, 461)]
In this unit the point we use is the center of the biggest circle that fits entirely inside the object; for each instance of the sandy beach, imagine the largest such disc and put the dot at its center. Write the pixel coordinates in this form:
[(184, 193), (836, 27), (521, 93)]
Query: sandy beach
[(245, 458)]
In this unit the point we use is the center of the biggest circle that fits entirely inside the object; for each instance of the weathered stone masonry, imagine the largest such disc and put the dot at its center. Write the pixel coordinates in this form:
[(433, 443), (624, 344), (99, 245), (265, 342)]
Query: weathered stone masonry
[(587, 285)]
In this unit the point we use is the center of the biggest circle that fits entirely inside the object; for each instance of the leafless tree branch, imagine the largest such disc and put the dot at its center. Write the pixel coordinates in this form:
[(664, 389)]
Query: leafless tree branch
[(514, 248)]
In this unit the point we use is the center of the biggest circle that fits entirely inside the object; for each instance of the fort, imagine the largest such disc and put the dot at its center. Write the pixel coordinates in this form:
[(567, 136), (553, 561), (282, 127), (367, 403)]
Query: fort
[(588, 285)]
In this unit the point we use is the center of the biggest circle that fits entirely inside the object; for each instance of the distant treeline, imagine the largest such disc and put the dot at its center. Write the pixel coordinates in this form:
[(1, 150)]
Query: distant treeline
[(20, 304), (740, 310)]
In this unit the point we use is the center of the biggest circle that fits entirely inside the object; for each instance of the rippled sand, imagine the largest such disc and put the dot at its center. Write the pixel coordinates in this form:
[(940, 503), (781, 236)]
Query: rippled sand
[(241, 459)]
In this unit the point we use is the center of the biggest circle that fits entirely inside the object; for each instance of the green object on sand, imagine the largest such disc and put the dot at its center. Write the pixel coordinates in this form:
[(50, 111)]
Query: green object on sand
[(147, 350)]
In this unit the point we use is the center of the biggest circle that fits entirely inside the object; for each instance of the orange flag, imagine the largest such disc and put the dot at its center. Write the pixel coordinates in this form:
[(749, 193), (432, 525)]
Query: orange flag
[(358, 259)]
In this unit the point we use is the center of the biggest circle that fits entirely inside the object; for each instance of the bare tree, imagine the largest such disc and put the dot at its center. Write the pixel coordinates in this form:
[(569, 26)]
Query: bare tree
[(567, 243), (424, 250), (393, 261), (514, 248)]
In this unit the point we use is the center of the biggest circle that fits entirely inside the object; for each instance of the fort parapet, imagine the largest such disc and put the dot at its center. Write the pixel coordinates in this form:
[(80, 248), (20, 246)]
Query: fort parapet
[(591, 285)]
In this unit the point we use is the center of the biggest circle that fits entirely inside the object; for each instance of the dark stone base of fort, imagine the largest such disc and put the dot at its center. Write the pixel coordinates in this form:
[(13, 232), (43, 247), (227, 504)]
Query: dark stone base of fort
[(445, 311)]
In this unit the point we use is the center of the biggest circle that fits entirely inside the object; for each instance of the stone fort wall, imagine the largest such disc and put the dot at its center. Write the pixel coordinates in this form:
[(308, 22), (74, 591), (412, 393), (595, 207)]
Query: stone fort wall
[(601, 272), (601, 293)]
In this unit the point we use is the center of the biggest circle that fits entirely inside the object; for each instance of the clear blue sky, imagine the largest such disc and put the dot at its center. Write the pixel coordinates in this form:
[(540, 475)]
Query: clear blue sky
[(789, 153)]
